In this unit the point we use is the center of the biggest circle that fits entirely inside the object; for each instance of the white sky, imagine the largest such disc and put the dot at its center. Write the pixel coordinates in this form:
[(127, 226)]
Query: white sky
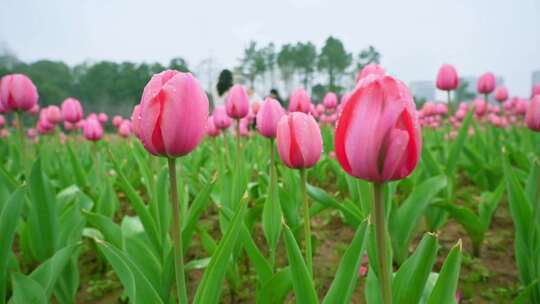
[(415, 36)]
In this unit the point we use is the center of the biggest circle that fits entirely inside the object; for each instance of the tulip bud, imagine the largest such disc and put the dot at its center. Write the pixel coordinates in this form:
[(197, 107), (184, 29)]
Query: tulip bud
[(268, 117), (237, 102), (221, 119), (211, 129), (330, 100), (174, 113), (300, 101), (378, 135), (299, 140), (124, 130), (447, 78), (501, 94), (53, 114), (136, 120), (532, 119), (117, 121), (102, 118), (72, 110), (92, 130), (18, 92), (369, 69), (486, 83)]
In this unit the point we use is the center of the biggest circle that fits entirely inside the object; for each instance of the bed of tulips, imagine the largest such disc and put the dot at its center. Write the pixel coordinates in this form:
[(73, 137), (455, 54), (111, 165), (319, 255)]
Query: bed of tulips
[(184, 205)]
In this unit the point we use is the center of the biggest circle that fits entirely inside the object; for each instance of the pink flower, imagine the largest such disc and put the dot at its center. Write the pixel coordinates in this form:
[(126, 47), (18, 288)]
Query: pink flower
[(72, 110), (237, 102), (378, 135), (174, 113), (299, 140), (53, 114), (255, 106), (4, 133), (532, 119), (268, 117), (447, 78), (221, 119), (486, 83), (536, 90), (2, 121), (18, 92), (480, 107), (300, 101), (370, 69), (211, 129), (117, 120), (31, 133), (124, 130), (330, 100), (136, 120), (92, 130), (102, 118), (501, 94)]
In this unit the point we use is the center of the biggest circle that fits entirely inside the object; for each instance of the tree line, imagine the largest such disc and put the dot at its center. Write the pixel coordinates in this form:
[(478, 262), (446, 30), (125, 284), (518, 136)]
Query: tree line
[(117, 86)]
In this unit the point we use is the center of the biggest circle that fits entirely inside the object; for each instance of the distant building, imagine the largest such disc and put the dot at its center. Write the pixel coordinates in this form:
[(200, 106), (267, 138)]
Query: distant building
[(423, 89)]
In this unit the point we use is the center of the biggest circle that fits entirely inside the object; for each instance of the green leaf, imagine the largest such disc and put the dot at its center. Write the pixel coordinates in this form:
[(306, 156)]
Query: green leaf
[(276, 289), (406, 218), (411, 277), (198, 206), (444, 291), (458, 144), (346, 276), (488, 204), (209, 288), (320, 196), (271, 219), (49, 271), (111, 231), (9, 218), (80, 175), (26, 290), (302, 283), (136, 284)]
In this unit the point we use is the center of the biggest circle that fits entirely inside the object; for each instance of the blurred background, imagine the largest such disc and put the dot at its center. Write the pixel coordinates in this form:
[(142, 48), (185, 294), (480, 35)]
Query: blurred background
[(104, 51)]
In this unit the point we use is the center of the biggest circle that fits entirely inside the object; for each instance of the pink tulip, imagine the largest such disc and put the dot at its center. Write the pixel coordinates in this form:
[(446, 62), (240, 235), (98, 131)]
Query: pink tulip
[(34, 110), (299, 101), (72, 110), (68, 126), (536, 90), (2, 121), (3, 108), (124, 130), (136, 120), (370, 69), (53, 114), (480, 107), (103, 118), (345, 98), (299, 140), (268, 117), (211, 129), (447, 78), (31, 133), (174, 113), (378, 135), (486, 83), (244, 127), (441, 109), (237, 102), (18, 92), (92, 130), (4, 133), (255, 106), (44, 126), (221, 119), (532, 119), (117, 121), (330, 100), (501, 94)]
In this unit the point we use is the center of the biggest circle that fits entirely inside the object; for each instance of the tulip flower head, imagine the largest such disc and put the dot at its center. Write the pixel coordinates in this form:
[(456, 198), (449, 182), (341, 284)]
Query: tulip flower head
[(532, 119), (92, 129), (378, 135), (124, 130), (103, 118), (53, 114), (268, 117), (18, 92), (136, 120), (237, 102), (447, 78), (72, 110), (330, 100), (117, 121), (299, 140), (211, 129), (486, 83), (174, 113), (369, 69), (300, 101), (501, 94)]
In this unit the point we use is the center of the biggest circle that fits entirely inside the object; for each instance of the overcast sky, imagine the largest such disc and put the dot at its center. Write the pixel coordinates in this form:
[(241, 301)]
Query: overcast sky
[(415, 37)]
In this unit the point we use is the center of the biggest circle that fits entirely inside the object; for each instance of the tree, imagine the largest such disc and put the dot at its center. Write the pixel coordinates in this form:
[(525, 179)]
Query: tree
[(286, 63), (367, 56), (253, 63), (179, 64), (333, 60), (462, 92), (305, 58), (270, 58)]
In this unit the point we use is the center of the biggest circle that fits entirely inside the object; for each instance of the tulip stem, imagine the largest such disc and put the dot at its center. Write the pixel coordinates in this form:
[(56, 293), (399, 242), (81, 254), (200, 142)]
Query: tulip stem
[(307, 223), (380, 234), (238, 141), (273, 185), (176, 235), (450, 100), (20, 130)]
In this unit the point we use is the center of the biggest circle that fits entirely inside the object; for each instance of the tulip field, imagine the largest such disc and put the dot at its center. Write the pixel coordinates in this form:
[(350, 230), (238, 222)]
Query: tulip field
[(362, 197)]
